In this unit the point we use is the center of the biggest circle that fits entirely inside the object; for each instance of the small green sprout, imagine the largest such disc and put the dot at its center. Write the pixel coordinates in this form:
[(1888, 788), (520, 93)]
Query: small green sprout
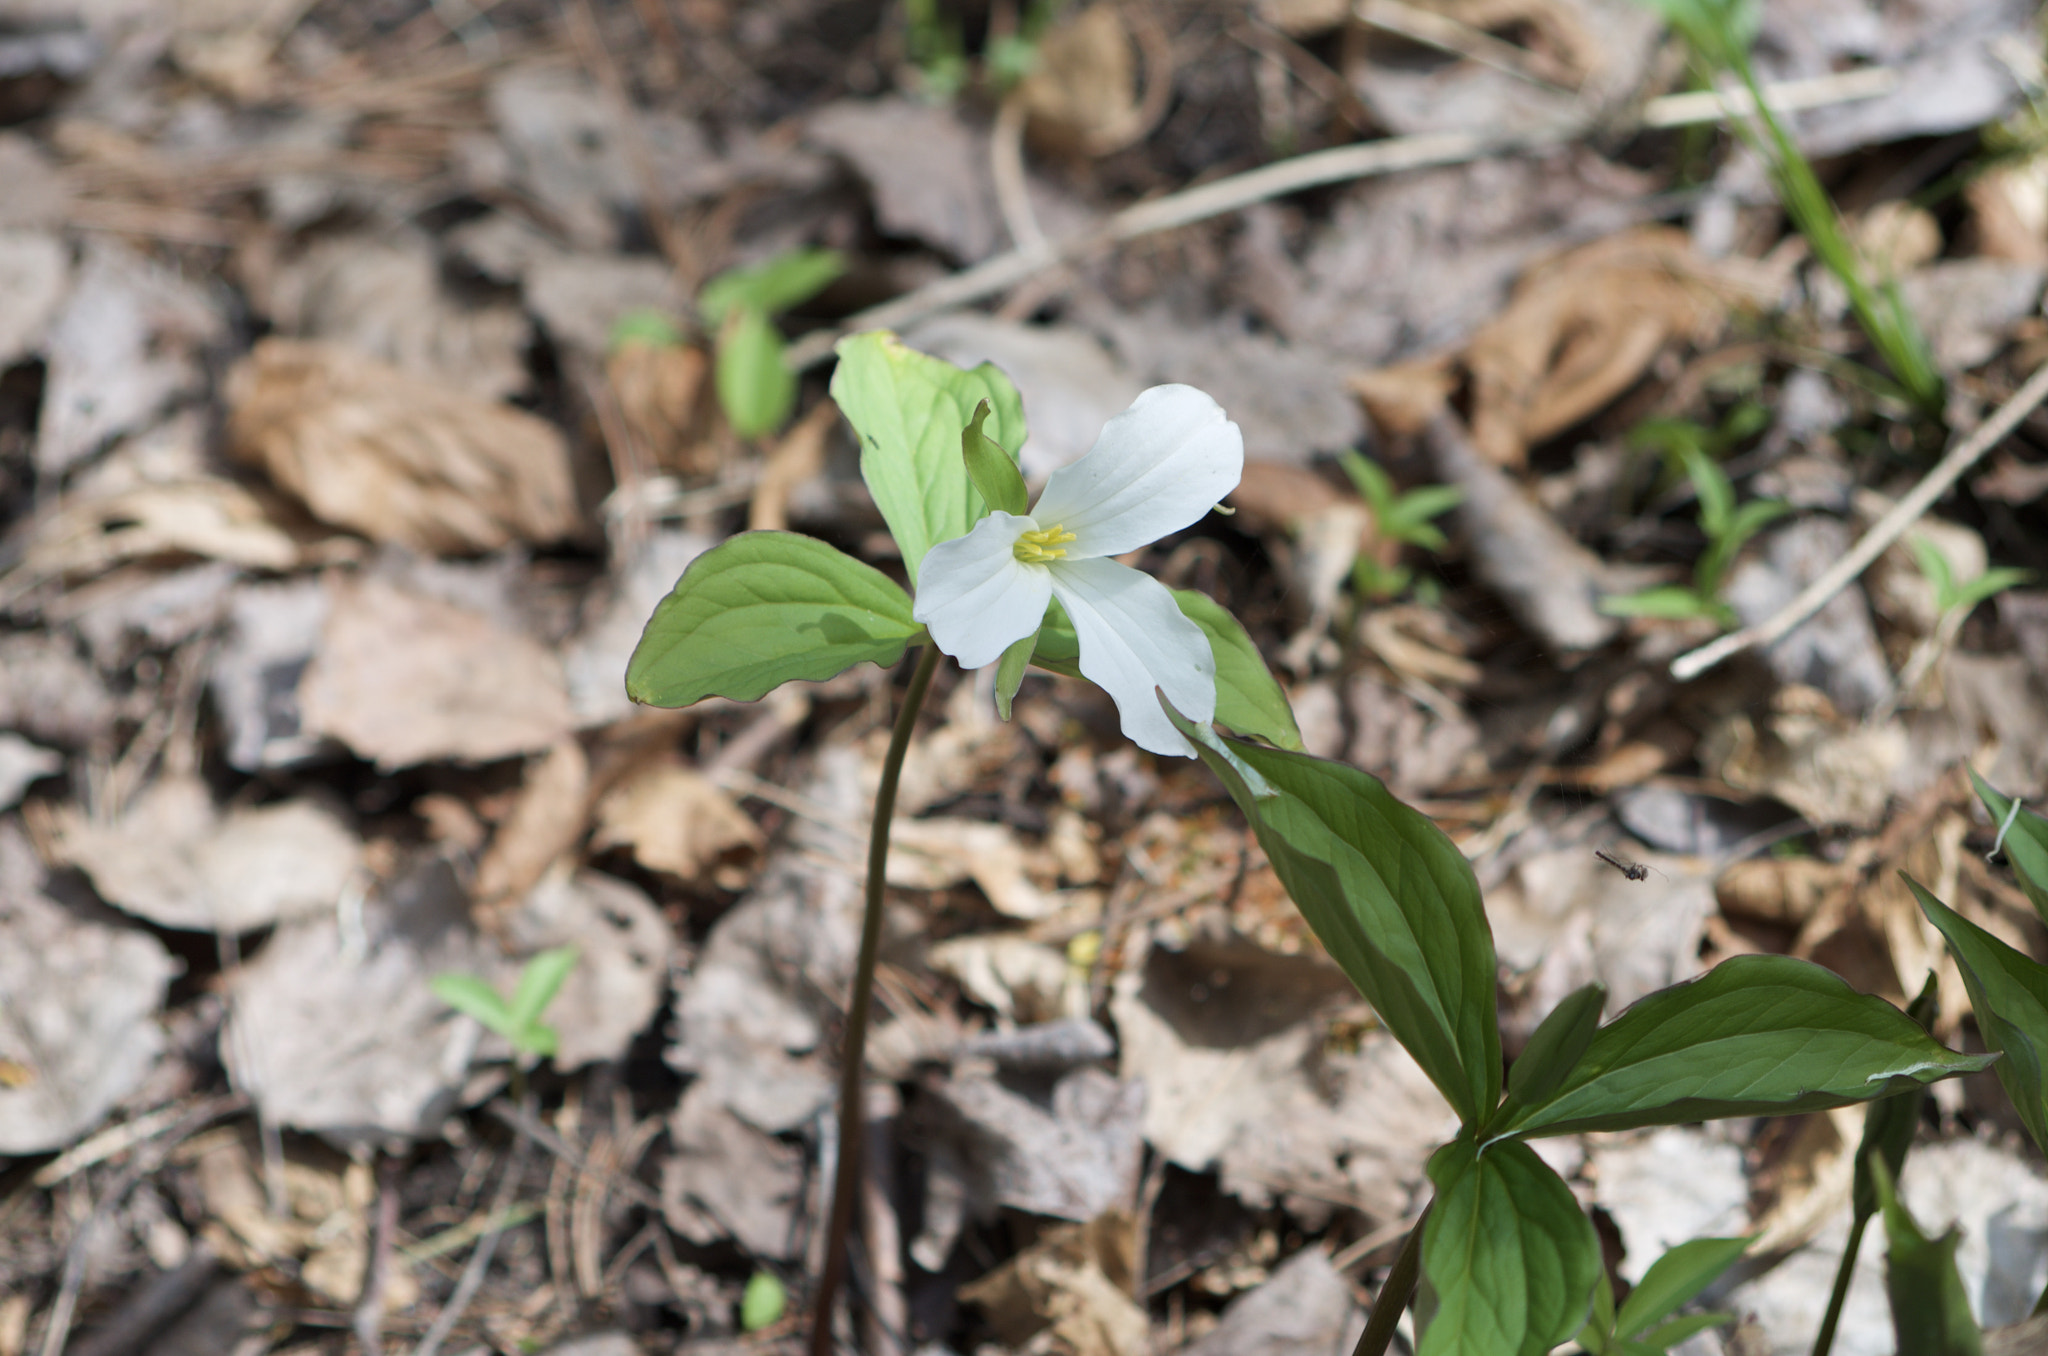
[(1644, 1325), (763, 1303), (519, 1020), (756, 389), (1958, 600), (1727, 526), (1403, 517)]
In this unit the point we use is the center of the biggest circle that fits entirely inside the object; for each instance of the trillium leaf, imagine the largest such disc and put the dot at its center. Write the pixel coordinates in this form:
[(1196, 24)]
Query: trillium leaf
[(1889, 1125), (1673, 1280), (1556, 1044), (1509, 1254), (1389, 895), (2025, 844), (1248, 698), (777, 285), (763, 609), (1930, 1306), (993, 471), (756, 389), (473, 996), (908, 409), (1756, 1035), (2009, 993)]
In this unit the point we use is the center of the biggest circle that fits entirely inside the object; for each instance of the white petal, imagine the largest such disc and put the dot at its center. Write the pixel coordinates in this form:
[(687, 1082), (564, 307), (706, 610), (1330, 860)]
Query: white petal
[(976, 597), (1154, 469), (1133, 639)]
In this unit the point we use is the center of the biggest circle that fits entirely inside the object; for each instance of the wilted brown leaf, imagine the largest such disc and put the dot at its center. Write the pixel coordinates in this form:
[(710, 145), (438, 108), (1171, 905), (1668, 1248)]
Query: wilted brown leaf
[(368, 447), (545, 822), (673, 819)]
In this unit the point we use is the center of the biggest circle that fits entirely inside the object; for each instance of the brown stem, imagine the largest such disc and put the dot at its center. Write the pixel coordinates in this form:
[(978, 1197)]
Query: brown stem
[(1395, 1292), (846, 1173)]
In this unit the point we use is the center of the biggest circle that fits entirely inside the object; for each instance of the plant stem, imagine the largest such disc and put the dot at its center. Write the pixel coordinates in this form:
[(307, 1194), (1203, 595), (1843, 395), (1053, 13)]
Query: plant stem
[(1395, 1293), (1843, 1274), (853, 1055)]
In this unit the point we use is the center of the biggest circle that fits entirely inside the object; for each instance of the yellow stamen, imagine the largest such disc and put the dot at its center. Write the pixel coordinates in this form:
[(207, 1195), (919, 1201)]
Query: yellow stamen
[(1036, 548)]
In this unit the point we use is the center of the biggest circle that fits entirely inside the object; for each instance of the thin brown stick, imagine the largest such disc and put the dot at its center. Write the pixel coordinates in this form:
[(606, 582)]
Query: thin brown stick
[(480, 1260), (368, 1319), (1882, 534), (1336, 165)]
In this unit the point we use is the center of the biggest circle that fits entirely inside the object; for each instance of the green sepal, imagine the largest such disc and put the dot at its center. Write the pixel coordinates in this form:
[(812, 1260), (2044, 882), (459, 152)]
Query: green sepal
[(1010, 672), (993, 471)]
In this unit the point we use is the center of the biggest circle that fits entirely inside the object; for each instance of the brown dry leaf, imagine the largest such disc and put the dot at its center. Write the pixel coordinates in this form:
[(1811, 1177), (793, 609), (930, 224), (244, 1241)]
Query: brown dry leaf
[(174, 859), (1782, 890), (1303, 1309), (403, 680), (1831, 770), (212, 519), (397, 458), (1402, 399), (1581, 329), (675, 820), (1081, 95), (931, 854), (545, 822), (656, 387), (942, 195), (798, 458), (2009, 207), (1069, 1269)]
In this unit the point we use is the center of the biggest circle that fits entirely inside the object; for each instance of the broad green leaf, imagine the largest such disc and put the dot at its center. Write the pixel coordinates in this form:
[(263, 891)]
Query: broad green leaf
[(1756, 1035), (763, 609), (2025, 844), (908, 410), (1391, 898), (1673, 1280), (756, 389), (1930, 1308), (539, 981), (1010, 672), (1598, 1334), (771, 287), (1511, 1257), (993, 471), (1889, 1125), (1248, 697), (1669, 1335), (473, 996), (1669, 602), (1556, 1044), (763, 1302), (2009, 993)]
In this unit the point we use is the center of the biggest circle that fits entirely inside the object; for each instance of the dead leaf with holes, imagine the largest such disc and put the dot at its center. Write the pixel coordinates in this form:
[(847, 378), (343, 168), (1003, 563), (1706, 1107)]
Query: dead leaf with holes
[(396, 457), (673, 819), (403, 679)]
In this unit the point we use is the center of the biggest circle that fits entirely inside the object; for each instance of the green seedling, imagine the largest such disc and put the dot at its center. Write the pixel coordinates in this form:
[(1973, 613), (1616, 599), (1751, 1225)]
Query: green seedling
[(1953, 603), (1405, 518), (1727, 527), (1720, 34), (1644, 1325), (518, 1021), (763, 1302), (756, 388)]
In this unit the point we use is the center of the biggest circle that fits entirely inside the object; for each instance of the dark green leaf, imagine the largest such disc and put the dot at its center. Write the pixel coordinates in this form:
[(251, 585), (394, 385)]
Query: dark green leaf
[(993, 471), (540, 981), (1930, 1309), (1668, 602), (1058, 649), (1391, 898), (1556, 1044), (1674, 1279), (761, 610), (2025, 844), (473, 996), (1669, 1335), (771, 287), (756, 389), (1248, 698), (908, 410), (1508, 1252), (1756, 1035), (2009, 994)]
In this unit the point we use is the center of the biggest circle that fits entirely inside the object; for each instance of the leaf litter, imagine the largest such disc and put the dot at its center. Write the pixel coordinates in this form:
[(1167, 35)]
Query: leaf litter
[(340, 486)]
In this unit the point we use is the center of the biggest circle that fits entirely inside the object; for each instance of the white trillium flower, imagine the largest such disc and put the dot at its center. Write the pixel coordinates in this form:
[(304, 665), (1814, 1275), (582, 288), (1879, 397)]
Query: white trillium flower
[(1154, 469)]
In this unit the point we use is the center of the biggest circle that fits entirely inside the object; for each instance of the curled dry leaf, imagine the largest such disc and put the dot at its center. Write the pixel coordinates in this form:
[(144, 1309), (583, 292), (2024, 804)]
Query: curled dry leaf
[(78, 1006), (1018, 1296), (399, 459), (545, 822), (930, 854), (403, 679), (1831, 770), (1081, 95), (89, 534), (174, 859), (675, 820)]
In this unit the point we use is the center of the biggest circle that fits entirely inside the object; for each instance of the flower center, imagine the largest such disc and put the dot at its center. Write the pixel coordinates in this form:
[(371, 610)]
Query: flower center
[(1036, 548)]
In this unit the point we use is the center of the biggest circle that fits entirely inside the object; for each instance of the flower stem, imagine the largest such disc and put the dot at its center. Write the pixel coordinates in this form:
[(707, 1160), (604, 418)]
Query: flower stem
[(1395, 1292), (853, 1057), (1844, 1272)]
